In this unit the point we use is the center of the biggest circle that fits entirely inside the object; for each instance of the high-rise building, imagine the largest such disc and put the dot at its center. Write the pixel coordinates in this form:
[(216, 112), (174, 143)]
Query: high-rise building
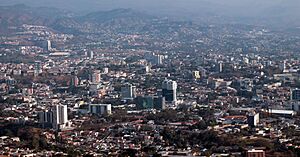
[(96, 76), (154, 58), (196, 75), (60, 116), (128, 91), (283, 66), (37, 68), (100, 109), (91, 55), (46, 119), (105, 70), (158, 59), (74, 81), (150, 102), (49, 46), (220, 67), (295, 94), (253, 119), (159, 102), (56, 118), (147, 69), (169, 90), (144, 102)]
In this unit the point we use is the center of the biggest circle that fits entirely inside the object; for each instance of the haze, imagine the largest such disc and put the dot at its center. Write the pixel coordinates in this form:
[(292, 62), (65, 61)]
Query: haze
[(259, 12)]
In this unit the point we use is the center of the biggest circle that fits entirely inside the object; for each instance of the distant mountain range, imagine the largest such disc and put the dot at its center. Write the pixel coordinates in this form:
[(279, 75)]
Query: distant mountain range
[(276, 16), (271, 13), (59, 20)]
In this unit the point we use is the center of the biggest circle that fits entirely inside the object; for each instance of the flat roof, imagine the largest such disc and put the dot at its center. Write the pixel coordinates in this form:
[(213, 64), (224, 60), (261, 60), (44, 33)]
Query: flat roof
[(281, 111)]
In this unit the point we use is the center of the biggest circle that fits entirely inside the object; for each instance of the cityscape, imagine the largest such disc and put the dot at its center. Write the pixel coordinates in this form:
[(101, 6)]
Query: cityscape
[(122, 82)]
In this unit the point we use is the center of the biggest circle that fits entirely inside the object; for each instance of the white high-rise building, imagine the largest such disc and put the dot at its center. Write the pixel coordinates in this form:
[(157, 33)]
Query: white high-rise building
[(60, 116), (220, 67), (105, 70), (49, 46), (169, 90), (91, 55), (101, 109), (128, 91)]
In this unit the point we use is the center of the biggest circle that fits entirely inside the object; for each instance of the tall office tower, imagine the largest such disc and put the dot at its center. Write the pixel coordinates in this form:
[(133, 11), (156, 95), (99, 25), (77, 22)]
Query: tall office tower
[(100, 109), (159, 102), (283, 67), (295, 94), (60, 116), (49, 46), (37, 68), (147, 69), (105, 70), (169, 88), (196, 74), (253, 119), (158, 59), (96, 76), (91, 55), (128, 91), (144, 102), (220, 67), (46, 119)]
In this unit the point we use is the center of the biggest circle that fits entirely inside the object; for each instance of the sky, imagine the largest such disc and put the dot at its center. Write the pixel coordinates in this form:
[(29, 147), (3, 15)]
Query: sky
[(260, 11)]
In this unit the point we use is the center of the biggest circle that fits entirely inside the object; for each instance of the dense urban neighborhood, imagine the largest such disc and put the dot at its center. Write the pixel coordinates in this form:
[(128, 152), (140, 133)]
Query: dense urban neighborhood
[(123, 83)]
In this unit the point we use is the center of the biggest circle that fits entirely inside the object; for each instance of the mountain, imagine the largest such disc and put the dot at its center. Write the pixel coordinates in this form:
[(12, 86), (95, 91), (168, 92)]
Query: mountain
[(105, 16), (273, 13), (17, 15), (63, 21)]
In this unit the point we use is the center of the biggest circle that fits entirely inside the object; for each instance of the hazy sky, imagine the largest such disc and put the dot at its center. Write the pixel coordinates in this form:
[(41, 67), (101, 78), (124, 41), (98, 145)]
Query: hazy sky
[(280, 11), (146, 4)]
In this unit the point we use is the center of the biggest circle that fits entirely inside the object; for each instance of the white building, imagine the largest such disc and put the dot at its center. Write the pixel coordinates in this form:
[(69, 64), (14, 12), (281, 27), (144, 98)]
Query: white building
[(60, 116), (91, 55), (100, 109), (49, 46)]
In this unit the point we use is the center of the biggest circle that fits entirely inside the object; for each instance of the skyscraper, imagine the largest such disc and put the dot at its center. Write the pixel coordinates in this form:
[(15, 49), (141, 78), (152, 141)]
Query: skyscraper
[(253, 119), (295, 94), (91, 55), (46, 119), (196, 75), (96, 76), (37, 68), (220, 67), (60, 116), (169, 88), (158, 59), (49, 46), (128, 91), (100, 109), (159, 102)]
